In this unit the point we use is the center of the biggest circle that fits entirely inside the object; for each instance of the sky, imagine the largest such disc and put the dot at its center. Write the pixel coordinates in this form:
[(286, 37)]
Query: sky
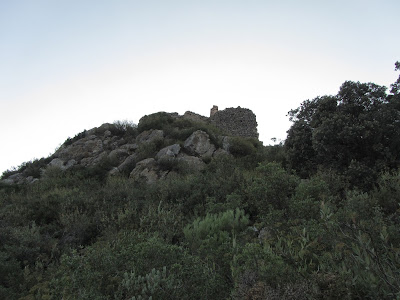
[(69, 65)]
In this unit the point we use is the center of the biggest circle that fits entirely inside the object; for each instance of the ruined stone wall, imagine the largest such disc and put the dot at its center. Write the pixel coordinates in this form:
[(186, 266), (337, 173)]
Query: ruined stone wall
[(236, 121)]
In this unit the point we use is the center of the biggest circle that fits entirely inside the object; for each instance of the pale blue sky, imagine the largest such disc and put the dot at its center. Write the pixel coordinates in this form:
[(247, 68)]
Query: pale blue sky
[(66, 66)]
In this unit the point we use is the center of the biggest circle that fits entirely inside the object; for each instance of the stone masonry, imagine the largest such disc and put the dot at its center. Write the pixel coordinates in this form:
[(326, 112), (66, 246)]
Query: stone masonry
[(235, 121)]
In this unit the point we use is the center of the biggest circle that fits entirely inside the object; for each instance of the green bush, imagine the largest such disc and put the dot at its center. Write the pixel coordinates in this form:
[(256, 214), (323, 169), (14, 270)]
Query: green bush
[(9, 172), (70, 141), (305, 203), (231, 222), (270, 186), (387, 192), (121, 267), (214, 239), (31, 168), (258, 269), (125, 128), (155, 121), (239, 146), (149, 150), (364, 259)]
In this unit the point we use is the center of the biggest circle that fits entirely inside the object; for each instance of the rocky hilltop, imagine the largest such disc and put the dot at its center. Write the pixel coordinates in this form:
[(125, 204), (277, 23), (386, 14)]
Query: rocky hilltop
[(161, 145)]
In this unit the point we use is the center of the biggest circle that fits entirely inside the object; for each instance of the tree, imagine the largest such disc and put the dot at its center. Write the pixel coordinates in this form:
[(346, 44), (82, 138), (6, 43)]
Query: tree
[(355, 133), (396, 86)]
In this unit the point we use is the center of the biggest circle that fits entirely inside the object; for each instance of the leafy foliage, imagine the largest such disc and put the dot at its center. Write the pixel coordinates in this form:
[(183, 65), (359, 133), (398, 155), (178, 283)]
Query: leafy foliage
[(355, 133)]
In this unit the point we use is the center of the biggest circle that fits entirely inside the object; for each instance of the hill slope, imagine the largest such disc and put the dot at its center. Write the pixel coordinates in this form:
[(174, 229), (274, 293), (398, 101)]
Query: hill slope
[(176, 208)]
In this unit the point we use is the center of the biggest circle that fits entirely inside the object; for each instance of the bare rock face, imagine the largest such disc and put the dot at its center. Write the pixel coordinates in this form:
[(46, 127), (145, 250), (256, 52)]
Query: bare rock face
[(93, 160), (199, 144), (94, 146), (89, 146), (131, 148), (57, 162), (149, 136), (220, 152), (194, 117), (17, 178), (148, 170), (128, 165), (118, 156), (62, 164), (191, 163), (169, 152), (226, 143)]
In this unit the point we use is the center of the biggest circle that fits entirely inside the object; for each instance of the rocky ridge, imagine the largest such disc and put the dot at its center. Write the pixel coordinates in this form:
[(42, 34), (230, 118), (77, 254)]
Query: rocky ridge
[(148, 155)]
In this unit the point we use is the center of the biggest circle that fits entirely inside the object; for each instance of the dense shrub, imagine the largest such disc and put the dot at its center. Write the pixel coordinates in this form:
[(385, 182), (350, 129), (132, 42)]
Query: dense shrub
[(244, 227), (270, 186), (121, 268), (125, 128), (214, 239), (239, 146), (32, 168), (155, 121), (78, 136)]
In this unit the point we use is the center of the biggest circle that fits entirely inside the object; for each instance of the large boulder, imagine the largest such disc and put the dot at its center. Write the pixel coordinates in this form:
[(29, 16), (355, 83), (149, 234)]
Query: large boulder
[(226, 143), (93, 160), (194, 117), (131, 148), (17, 178), (148, 170), (102, 129), (220, 152), (199, 144), (90, 146), (149, 136), (113, 142), (128, 165), (191, 163), (57, 162), (117, 156), (62, 164), (168, 152)]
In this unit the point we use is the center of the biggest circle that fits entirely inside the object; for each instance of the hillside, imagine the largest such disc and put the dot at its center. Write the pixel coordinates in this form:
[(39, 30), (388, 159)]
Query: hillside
[(146, 150), (191, 207)]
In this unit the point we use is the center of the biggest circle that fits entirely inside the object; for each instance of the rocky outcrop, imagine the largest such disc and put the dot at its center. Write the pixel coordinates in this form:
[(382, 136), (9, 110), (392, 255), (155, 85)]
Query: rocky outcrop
[(128, 164), (191, 163), (62, 164), (118, 156), (198, 144), (127, 156), (149, 136), (169, 152), (90, 146), (194, 117), (147, 170)]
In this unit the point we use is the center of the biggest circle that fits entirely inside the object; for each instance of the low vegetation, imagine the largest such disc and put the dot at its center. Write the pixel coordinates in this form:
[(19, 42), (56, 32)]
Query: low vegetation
[(316, 217)]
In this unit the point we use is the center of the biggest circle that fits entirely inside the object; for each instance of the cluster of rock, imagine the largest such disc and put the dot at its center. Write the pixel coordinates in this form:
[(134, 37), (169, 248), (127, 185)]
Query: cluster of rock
[(19, 178), (196, 149), (100, 144)]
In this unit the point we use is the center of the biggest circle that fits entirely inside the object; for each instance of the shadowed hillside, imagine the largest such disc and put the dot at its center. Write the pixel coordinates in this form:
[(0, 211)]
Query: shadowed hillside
[(181, 207)]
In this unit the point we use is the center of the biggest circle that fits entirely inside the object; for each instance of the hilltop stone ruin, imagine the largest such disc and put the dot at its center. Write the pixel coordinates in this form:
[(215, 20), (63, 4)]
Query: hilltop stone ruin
[(126, 155), (235, 121)]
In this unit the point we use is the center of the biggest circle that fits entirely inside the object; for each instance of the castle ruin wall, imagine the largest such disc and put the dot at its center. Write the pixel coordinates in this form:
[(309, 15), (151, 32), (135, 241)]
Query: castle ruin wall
[(236, 121)]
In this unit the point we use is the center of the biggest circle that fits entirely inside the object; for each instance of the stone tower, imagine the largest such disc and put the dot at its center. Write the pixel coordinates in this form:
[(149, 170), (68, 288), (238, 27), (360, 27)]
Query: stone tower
[(235, 121), (214, 109)]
